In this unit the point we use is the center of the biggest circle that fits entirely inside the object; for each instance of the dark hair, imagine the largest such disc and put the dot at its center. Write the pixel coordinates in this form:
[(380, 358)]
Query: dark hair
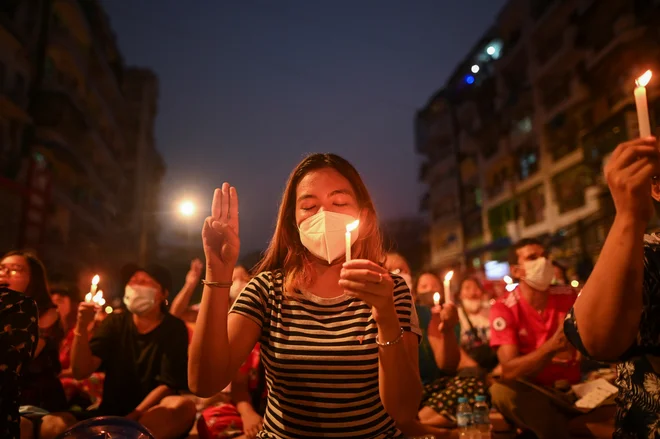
[(513, 251), (472, 279), (286, 251), (419, 276), (37, 287)]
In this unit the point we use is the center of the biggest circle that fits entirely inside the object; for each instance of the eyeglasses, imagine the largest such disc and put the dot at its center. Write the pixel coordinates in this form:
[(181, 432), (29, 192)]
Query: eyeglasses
[(12, 270)]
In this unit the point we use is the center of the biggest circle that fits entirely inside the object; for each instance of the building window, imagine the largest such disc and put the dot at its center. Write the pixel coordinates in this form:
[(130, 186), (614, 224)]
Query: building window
[(528, 161), (570, 186), (602, 141), (532, 206), (498, 217), (562, 136)]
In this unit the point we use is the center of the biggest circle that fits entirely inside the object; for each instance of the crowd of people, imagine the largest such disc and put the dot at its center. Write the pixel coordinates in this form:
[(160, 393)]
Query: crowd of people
[(312, 343)]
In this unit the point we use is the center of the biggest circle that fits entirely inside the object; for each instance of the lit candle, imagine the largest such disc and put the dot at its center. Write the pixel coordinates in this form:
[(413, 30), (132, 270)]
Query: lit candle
[(436, 298), (92, 291), (108, 310), (98, 298), (447, 285), (642, 104), (349, 228)]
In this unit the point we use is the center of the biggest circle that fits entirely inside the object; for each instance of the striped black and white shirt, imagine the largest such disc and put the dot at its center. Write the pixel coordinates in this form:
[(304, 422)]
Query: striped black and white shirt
[(321, 360)]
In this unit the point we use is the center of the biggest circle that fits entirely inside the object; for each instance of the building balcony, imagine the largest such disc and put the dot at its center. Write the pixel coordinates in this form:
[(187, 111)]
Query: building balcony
[(561, 52), (563, 97), (624, 32), (497, 194)]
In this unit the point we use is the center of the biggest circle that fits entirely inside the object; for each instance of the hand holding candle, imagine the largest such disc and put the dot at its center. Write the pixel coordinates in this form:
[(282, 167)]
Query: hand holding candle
[(349, 228), (642, 104), (447, 285)]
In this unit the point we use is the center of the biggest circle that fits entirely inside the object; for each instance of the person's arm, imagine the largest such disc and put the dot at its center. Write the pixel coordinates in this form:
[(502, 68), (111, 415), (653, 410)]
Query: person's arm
[(466, 361), (222, 341), (240, 396), (442, 338), (83, 362), (398, 365), (504, 338), (608, 311), (516, 366), (153, 398), (182, 300)]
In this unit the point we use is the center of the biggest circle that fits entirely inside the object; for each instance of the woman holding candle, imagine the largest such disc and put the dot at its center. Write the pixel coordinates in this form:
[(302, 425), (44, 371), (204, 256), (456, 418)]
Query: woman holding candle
[(42, 394), (338, 339)]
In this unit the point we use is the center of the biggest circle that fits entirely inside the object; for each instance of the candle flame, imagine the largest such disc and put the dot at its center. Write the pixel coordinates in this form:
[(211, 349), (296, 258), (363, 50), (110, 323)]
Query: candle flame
[(436, 298), (643, 80), (108, 310), (449, 275), (352, 226), (507, 280), (88, 297), (96, 279)]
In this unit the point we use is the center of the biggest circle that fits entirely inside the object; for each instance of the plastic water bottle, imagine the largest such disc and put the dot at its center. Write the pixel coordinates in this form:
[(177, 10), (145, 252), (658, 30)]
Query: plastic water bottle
[(464, 419), (481, 418)]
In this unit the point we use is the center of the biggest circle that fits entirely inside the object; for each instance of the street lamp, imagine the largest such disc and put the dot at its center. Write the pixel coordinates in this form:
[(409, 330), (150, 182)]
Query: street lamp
[(187, 208)]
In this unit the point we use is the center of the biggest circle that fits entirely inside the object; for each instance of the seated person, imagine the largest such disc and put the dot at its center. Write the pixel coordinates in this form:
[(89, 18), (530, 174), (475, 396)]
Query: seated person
[(243, 415), (42, 399), (527, 333), (473, 312), (144, 354), (79, 393), (445, 367), (19, 334), (616, 316)]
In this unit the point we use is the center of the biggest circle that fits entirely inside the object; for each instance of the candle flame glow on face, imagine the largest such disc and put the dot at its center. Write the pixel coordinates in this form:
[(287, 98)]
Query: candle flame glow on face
[(352, 226), (95, 280), (643, 80), (449, 275)]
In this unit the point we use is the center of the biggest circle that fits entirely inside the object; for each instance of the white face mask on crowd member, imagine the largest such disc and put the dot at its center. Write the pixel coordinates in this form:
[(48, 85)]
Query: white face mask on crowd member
[(539, 273), (139, 299), (323, 234)]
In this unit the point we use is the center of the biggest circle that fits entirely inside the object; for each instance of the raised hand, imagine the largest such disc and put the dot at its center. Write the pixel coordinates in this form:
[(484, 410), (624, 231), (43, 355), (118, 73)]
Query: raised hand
[(220, 235), (195, 272), (629, 174)]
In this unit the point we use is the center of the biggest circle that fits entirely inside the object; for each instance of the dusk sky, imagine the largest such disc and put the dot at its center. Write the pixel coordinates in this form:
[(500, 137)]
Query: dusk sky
[(247, 88)]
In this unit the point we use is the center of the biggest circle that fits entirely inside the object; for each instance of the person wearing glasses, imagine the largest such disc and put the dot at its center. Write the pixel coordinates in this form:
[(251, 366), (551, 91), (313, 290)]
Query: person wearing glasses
[(42, 398)]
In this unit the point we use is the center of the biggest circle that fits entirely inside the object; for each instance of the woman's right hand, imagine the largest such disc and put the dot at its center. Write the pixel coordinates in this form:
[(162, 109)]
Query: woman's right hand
[(220, 235)]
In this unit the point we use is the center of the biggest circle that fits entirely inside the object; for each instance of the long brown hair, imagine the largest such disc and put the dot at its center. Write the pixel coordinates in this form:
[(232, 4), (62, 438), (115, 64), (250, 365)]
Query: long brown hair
[(37, 287), (286, 251)]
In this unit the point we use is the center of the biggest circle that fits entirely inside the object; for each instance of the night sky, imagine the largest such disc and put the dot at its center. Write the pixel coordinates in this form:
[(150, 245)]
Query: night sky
[(250, 87)]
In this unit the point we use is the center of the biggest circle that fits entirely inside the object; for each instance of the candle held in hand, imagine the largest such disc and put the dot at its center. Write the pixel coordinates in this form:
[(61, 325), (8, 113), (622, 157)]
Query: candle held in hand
[(349, 228), (436, 298), (642, 104), (447, 285)]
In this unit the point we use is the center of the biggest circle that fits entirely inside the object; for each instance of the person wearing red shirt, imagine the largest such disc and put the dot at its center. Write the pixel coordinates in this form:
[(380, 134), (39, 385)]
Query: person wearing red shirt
[(527, 332)]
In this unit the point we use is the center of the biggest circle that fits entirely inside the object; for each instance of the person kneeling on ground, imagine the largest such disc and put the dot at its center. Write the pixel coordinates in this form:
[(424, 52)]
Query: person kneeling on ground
[(144, 353)]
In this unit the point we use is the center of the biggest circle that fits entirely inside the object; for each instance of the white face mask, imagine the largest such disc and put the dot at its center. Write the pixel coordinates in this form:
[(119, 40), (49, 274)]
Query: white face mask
[(323, 234), (139, 299), (472, 306), (539, 273)]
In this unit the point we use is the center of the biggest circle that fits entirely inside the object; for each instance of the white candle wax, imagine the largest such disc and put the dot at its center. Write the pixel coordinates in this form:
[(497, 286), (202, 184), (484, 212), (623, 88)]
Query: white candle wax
[(447, 285), (642, 104), (348, 246), (642, 112)]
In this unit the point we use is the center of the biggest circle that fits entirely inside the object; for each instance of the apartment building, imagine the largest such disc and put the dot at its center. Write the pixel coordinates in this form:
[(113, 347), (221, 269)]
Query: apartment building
[(515, 141)]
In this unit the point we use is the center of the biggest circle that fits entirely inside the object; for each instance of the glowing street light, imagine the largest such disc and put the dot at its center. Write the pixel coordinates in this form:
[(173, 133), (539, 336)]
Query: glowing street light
[(475, 69), (187, 208), (490, 50)]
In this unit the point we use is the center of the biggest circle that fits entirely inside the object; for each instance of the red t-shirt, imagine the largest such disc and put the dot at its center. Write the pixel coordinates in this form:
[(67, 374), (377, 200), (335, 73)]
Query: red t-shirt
[(513, 321)]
